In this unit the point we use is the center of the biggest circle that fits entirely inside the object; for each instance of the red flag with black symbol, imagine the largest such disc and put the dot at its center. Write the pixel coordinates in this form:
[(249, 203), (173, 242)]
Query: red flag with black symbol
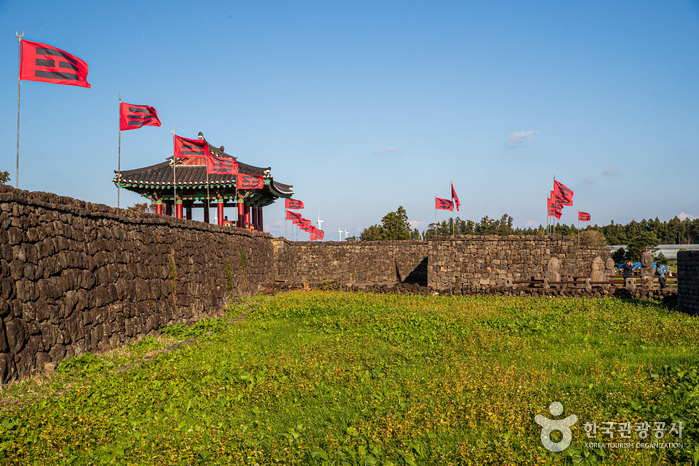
[(444, 204), (293, 216), (135, 116), (249, 182), (565, 193), (455, 197), (559, 199), (190, 148), (294, 204), (584, 217), (221, 165), (554, 209), (45, 63)]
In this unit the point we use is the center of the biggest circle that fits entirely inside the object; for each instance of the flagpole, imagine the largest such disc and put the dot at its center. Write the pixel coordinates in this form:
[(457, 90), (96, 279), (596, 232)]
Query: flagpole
[(578, 227), (119, 158), (174, 173), (19, 80), (208, 201)]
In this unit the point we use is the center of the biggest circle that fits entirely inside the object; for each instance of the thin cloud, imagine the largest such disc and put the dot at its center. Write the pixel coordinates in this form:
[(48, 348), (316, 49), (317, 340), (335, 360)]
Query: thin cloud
[(588, 180), (385, 151), (683, 216), (417, 224), (521, 138), (531, 224), (610, 171)]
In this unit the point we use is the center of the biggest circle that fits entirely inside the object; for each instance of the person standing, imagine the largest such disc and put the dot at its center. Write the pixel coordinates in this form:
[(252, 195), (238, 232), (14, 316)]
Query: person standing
[(661, 275), (628, 269)]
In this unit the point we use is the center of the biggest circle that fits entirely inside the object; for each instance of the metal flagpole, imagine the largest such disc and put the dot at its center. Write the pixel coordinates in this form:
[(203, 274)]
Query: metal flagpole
[(119, 158), (174, 173), (435, 214), (578, 227), (19, 80), (451, 182), (208, 202)]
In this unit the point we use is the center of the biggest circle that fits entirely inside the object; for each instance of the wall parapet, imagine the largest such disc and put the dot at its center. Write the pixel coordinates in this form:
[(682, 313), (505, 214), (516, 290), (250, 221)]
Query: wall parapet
[(493, 260), (77, 277), (350, 261)]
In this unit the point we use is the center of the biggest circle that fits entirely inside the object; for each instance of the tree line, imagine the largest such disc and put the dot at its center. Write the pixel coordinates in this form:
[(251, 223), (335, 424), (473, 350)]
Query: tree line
[(638, 236)]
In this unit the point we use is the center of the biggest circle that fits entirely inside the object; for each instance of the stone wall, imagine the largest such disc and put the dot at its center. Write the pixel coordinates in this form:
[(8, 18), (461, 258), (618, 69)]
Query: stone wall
[(350, 261), (492, 260), (76, 277), (688, 281)]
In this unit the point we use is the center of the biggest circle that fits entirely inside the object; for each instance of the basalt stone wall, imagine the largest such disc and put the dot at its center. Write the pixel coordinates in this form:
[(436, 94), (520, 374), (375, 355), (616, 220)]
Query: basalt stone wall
[(76, 277), (350, 261), (492, 260), (688, 281)]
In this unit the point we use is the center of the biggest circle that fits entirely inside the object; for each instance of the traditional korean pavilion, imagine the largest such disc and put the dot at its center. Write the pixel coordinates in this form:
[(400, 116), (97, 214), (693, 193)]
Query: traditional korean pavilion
[(189, 180)]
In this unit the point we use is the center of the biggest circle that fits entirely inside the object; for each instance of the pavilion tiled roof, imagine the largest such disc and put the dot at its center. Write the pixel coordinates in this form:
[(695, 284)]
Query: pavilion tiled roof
[(192, 172)]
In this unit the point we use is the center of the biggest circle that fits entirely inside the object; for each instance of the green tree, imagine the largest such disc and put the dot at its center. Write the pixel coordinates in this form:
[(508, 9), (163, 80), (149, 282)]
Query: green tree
[(640, 243), (4, 177), (373, 233), (619, 256), (394, 227)]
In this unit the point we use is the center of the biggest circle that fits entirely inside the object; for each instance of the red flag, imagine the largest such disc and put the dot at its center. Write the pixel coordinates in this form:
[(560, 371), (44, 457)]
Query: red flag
[(294, 204), (45, 63), (135, 116), (444, 204), (221, 165), (583, 217), (293, 216), (190, 148), (554, 209), (455, 197), (565, 193), (559, 199), (249, 182)]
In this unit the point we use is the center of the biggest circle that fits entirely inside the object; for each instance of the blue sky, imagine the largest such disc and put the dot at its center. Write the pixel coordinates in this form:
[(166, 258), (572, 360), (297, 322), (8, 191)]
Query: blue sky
[(366, 106)]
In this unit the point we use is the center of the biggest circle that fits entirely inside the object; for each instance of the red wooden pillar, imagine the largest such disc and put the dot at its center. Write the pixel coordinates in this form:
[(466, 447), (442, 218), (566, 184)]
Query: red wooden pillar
[(159, 207), (241, 214), (206, 211), (261, 220), (178, 210), (247, 217), (220, 211), (253, 214), (189, 212)]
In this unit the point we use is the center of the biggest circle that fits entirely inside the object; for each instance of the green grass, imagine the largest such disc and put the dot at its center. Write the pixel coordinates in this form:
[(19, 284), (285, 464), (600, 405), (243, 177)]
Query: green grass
[(350, 378)]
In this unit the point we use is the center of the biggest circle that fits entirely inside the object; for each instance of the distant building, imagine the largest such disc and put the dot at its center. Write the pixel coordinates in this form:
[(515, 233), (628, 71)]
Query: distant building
[(668, 250)]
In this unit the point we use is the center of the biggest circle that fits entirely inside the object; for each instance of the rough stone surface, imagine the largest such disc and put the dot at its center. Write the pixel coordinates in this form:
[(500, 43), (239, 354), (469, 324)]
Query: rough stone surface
[(77, 277), (688, 281), (491, 260), (350, 261)]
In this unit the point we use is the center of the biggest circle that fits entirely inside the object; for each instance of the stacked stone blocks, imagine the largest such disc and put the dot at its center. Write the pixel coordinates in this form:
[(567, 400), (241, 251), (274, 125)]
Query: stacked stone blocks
[(688, 281), (77, 277)]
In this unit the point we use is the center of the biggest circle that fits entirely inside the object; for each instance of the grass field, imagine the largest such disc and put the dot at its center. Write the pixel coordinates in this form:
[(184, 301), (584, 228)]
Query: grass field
[(356, 379)]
